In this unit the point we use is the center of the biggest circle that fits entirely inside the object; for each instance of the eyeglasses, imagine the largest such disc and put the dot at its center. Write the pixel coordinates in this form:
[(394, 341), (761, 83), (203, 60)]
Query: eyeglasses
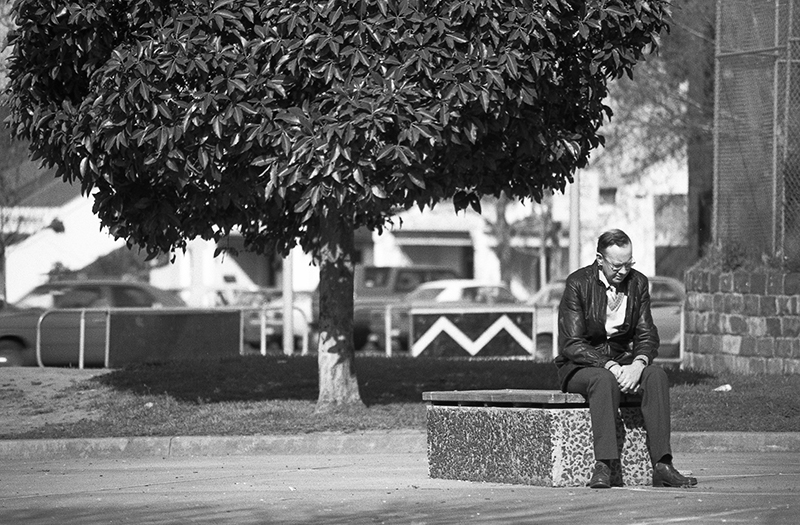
[(618, 267)]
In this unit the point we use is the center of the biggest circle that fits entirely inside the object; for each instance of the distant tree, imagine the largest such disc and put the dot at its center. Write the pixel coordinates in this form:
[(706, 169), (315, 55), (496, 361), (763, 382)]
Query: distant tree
[(539, 224), (6, 25), (298, 121), (8, 230), (668, 104), (13, 182)]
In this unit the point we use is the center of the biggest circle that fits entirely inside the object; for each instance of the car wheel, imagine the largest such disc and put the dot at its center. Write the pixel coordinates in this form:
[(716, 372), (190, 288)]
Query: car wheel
[(11, 353), (544, 347)]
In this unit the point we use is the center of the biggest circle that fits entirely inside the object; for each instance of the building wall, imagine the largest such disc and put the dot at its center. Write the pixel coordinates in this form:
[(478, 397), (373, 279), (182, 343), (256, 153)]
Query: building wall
[(199, 276), (82, 242)]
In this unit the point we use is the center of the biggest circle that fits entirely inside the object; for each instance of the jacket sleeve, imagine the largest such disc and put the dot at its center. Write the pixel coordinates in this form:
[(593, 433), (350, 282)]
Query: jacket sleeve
[(572, 333), (645, 339)]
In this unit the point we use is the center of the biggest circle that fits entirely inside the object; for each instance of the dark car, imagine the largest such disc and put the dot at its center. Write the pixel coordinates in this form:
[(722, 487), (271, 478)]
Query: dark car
[(53, 309), (667, 296)]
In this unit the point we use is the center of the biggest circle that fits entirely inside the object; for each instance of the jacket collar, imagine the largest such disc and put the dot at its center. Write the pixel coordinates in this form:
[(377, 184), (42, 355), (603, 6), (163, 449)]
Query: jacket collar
[(600, 278)]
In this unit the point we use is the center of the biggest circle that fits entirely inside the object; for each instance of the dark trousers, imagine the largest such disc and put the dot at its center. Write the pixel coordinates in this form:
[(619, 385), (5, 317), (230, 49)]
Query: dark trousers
[(600, 387)]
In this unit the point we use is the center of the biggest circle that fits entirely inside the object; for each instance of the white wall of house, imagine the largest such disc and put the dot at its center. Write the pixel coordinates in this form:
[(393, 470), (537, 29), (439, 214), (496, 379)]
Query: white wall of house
[(437, 223), (633, 211), (82, 242), (198, 276)]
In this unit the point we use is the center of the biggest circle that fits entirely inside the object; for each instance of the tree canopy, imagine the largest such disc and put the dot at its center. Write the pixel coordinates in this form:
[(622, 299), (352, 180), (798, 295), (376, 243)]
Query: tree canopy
[(201, 117)]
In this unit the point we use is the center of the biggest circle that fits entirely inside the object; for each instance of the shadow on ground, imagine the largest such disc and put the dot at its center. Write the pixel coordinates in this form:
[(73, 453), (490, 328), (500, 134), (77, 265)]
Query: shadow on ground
[(382, 380)]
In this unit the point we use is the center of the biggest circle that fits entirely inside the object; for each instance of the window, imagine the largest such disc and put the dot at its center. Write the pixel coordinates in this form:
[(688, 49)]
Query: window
[(87, 297), (128, 296), (376, 277), (608, 196), (408, 280)]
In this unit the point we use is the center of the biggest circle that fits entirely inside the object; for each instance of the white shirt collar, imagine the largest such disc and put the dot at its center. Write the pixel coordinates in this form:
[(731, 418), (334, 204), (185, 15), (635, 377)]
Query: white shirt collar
[(605, 281)]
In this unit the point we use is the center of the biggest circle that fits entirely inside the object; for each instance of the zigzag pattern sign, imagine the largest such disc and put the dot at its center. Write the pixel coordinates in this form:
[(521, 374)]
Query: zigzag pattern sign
[(472, 347)]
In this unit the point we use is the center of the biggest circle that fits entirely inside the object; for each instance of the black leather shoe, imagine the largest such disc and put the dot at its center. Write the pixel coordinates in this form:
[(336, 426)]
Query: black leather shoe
[(665, 475), (601, 477)]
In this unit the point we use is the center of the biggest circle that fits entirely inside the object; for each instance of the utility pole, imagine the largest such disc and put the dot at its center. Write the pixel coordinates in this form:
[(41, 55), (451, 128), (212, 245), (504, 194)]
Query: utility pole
[(575, 224)]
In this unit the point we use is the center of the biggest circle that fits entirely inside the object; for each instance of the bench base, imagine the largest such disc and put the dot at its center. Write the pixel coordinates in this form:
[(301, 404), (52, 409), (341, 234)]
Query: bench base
[(534, 446)]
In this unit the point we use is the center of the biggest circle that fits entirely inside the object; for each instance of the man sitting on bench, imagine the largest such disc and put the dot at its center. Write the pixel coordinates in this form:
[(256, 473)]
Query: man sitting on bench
[(607, 342)]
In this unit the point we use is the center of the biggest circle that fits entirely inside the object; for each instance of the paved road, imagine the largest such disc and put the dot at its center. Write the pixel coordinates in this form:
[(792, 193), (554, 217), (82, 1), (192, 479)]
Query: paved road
[(376, 487)]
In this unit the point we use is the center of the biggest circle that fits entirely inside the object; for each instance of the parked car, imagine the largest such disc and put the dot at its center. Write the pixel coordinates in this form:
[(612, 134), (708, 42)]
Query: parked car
[(269, 302), (60, 335), (448, 293), (375, 287), (667, 296)]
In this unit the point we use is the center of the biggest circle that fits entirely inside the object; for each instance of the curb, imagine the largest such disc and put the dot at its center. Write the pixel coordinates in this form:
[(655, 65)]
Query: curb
[(700, 442), (323, 443), (330, 443)]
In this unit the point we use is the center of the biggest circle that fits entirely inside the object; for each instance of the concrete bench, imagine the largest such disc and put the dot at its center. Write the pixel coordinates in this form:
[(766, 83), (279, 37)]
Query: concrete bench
[(532, 437)]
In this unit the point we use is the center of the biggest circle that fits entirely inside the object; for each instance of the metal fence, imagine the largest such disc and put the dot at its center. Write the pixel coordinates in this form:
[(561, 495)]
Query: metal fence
[(757, 127), (112, 337)]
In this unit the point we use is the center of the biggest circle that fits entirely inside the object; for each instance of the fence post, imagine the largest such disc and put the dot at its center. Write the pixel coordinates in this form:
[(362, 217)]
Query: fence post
[(682, 342), (262, 338), (107, 358), (387, 330), (555, 331), (82, 340)]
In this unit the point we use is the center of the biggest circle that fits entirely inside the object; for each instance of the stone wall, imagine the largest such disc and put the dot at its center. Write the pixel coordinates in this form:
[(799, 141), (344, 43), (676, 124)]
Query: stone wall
[(742, 321)]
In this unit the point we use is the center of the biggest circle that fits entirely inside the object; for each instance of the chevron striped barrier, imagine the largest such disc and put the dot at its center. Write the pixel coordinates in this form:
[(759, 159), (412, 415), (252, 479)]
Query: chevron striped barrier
[(500, 331)]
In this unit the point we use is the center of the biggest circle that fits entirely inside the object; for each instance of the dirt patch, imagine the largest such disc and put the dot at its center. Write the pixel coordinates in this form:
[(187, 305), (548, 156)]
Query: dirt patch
[(33, 397)]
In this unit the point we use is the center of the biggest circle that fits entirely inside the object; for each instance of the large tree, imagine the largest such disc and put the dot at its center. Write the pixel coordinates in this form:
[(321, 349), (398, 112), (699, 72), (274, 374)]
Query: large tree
[(298, 121)]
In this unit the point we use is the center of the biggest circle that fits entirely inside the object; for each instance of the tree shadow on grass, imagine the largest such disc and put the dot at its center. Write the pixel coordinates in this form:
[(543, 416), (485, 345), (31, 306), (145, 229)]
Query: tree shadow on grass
[(381, 380), (687, 377)]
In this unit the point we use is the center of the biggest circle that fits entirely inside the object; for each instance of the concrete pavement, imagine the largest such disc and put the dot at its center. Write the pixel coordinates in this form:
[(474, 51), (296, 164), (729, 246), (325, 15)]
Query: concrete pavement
[(373, 477), (376, 488)]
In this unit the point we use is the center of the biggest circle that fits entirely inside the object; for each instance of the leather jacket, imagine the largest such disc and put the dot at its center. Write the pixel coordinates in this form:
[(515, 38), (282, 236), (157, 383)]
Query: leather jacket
[(582, 338)]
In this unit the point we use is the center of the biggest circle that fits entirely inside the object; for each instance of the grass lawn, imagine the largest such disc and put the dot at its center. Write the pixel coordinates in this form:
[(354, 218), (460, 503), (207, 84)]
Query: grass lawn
[(277, 394)]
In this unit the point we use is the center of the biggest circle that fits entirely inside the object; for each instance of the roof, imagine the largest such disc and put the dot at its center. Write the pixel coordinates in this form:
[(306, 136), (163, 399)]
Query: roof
[(29, 183), (43, 190)]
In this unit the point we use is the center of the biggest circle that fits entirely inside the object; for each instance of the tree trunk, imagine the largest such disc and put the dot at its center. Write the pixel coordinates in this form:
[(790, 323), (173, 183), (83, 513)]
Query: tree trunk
[(503, 234), (338, 385)]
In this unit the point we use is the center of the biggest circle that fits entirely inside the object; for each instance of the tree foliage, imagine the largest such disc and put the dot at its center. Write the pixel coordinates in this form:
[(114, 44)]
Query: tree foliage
[(201, 117)]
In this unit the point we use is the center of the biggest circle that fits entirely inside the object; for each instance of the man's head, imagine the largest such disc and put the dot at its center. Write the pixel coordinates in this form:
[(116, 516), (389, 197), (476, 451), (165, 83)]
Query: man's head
[(615, 255)]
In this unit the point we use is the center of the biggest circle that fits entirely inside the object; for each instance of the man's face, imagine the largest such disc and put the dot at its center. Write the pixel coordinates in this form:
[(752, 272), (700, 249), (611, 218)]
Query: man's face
[(616, 262)]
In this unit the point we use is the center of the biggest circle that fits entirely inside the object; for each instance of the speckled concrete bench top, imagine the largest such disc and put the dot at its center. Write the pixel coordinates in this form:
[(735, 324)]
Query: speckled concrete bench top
[(515, 397)]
